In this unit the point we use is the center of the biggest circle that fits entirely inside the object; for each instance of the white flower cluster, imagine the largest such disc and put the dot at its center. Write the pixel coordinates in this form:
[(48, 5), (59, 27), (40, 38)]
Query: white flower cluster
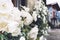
[(28, 20), (33, 33), (9, 18), (42, 8), (39, 5)]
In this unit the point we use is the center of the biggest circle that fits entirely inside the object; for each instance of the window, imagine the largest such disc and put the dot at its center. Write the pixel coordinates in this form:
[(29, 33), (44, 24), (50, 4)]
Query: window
[(17, 3)]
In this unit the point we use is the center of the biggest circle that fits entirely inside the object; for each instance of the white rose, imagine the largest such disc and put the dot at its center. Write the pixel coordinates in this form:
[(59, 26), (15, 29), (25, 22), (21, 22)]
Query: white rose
[(12, 25), (9, 17), (17, 32), (6, 5), (28, 19), (13, 28), (33, 33)]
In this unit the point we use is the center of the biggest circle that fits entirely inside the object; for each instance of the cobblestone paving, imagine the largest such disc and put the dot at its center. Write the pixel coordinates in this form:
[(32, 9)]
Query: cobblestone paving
[(54, 34)]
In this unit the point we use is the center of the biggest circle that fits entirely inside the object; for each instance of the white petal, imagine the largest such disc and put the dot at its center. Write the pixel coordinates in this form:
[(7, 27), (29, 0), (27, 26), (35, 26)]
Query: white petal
[(22, 38), (34, 15), (12, 25)]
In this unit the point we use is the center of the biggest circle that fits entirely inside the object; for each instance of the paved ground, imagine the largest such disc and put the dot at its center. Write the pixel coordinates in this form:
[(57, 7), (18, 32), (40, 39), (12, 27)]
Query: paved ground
[(54, 34)]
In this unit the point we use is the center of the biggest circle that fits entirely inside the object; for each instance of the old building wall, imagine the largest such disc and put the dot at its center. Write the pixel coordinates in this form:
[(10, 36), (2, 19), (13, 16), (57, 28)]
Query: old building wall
[(30, 4)]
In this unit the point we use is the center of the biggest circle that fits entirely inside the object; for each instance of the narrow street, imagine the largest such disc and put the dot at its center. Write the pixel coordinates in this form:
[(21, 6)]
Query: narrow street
[(54, 34)]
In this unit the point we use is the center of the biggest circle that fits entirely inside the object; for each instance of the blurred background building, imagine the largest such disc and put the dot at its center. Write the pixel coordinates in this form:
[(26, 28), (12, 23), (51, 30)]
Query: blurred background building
[(28, 3)]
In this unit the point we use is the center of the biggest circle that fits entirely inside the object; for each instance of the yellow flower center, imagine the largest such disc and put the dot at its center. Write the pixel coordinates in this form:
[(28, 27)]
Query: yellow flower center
[(4, 5), (4, 15), (3, 24)]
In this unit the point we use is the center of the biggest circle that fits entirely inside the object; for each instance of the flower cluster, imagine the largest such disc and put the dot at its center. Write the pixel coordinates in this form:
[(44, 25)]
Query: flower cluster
[(37, 21), (9, 17), (23, 23)]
